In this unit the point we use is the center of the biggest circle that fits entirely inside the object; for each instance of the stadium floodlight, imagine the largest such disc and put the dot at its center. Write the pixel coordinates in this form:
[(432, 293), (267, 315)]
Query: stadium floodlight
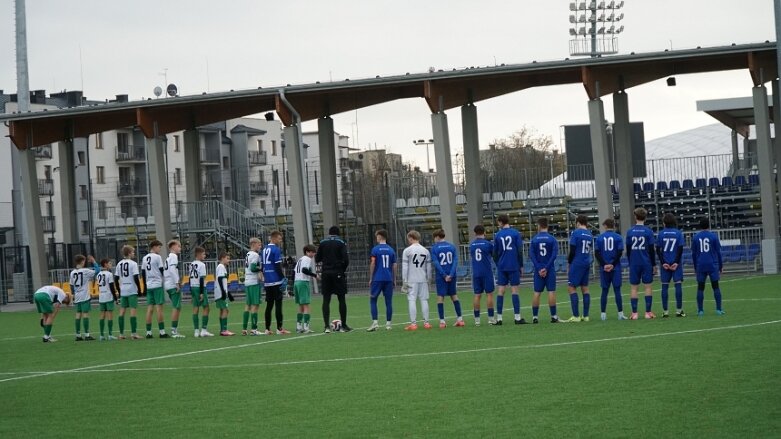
[(590, 34)]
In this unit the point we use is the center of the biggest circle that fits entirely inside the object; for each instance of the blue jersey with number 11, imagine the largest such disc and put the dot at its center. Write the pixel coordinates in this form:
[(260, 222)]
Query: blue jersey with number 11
[(384, 258), (481, 251)]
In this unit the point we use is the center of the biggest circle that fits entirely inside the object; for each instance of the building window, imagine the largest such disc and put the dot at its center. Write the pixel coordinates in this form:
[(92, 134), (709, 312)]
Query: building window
[(80, 156), (275, 177), (102, 210), (262, 175), (47, 172), (273, 147), (287, 178), (178, 176), (49, 208), (226, 163), (85, 227), (122, 142), (99, 141), (260, 145), (176, 143), (126, 208), (289, 203), (179, 208), (100, 174), (263, 204), (83, 191)]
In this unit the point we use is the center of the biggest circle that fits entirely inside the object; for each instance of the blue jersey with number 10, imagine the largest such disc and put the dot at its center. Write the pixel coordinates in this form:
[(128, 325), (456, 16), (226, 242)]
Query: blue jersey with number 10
[(384, 258), (609, 245), (481, 250)]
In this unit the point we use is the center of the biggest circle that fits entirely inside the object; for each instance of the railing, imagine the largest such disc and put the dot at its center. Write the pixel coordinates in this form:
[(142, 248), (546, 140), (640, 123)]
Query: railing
[(43, 152), (257, 158), (258, 188), (48, 224), (210, 156), (132, 188), (131, 153), (230, 219), (45, 187)]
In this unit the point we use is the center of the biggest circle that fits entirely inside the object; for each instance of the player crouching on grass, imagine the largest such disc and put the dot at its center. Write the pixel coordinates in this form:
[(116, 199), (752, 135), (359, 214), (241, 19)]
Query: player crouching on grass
[(80, 279), (305, 272), (152, 272), (129, 286), (543, 251), (444, 256), (48, 300), (199, 294), (108, 295), (221, 294)]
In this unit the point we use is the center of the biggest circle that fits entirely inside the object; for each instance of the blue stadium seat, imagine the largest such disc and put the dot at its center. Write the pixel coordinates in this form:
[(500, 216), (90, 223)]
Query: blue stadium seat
[(648, 186), (688, 184), (637, 188), (701, 182), (675, 184), (726, 181), (713, 182), (740, 180), (661, 186), (753, 180)]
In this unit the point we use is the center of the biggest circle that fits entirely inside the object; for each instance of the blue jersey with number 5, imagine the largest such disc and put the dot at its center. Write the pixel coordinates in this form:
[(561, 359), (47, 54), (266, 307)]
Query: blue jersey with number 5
[(507, 249), (480, 251), (384, 258)]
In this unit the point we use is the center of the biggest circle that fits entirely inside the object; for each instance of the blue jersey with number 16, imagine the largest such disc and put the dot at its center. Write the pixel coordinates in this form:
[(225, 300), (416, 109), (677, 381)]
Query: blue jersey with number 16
[(481, 250)]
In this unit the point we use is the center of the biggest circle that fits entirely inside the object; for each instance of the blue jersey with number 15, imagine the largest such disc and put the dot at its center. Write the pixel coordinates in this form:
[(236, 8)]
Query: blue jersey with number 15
[(480, 251)]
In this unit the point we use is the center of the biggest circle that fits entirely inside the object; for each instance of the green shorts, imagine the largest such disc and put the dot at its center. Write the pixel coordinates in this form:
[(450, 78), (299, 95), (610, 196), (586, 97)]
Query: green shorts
[(43, 303), (83, 306), (176, 298), (200, 298), (253, 294), (129, 301), (106, 306), (301, 291), (155, 296), (221, 303)]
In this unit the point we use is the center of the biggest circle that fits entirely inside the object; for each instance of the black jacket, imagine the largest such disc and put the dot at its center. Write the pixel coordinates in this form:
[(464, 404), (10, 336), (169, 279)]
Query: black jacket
[(332, 253)]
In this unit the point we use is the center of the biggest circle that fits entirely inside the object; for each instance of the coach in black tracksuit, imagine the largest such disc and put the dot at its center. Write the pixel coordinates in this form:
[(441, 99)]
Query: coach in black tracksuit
[(332, 253)]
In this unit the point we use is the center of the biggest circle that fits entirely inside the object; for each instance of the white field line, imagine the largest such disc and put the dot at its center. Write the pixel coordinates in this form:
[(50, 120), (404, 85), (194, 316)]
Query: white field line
[(102, 368)]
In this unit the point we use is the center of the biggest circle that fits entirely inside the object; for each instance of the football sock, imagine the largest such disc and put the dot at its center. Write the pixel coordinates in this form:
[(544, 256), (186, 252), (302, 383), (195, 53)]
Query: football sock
[(586, 303), (716, 297), (649, 300), (499, 304), (278, 314), (373, 307), (679, 295), (102, 325), (573, 300), (476, 313), (516, 305), (195, 321), (133, 324), (47, 330), (490, 313), (245, 320), (665, 295), (619, 299), (85, 321), (78, 326), (388, 307), (553, 311), (603, 300), (148, 327), (441, 311), (267, 313), (634, 300), (223, 324), (161, 326), (413, 311), (424, 309), (700, 299), (457, 306), (204, 321), (110, 326), (254, 319), (174, 325), (306, 318), (342, 308), (121, 321), (299, 317), (535, 310)]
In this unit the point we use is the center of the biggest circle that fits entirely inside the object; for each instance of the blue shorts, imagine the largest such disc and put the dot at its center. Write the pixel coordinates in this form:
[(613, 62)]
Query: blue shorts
[(548, 282), (446, 288), (704, 272), (381, 286), (613, 278), (483, 284), (644, 273), (578, 275), (676, 275), (508, 277)]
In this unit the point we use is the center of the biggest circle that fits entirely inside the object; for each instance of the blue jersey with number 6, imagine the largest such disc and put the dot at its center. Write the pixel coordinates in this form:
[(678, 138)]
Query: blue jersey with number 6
[(481, 250), (384, 258)]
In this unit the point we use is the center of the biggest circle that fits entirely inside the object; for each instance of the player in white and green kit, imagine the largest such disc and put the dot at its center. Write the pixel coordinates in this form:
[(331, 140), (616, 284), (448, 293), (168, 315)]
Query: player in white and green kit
[(152, 272), (305, 272), (172, 285), (129, 286), (253, 278), (199, 294), (221, 294), (79, 280), (107, 295), (47, 300)]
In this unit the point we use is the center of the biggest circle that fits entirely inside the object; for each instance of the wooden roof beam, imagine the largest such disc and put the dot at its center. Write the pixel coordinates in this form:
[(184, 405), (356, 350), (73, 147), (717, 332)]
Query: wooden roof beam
[(762, 67)]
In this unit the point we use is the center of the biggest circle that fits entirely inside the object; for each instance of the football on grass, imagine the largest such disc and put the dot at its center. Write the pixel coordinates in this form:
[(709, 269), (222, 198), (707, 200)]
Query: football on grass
[(336, 325)]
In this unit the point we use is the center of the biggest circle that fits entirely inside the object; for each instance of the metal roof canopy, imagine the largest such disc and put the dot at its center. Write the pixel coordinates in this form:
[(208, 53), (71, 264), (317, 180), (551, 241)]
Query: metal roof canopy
[(442, 90), (735, 113)]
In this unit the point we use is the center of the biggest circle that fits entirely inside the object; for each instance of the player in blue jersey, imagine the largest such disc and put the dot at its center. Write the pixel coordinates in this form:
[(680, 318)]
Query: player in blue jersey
[(444, 257), (382, 279), (480, 253), (273, 278), (608, 250), (642, 261), (543, 251), (706, 256), (670, 250), (580, 246), (508, 254)]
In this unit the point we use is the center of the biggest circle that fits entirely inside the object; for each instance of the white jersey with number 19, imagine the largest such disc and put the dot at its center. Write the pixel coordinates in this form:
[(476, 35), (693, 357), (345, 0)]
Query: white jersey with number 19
[(126, 270)]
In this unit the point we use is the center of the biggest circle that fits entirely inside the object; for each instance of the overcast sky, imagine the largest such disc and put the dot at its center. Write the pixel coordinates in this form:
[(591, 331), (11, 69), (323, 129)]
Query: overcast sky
[(126, 45)]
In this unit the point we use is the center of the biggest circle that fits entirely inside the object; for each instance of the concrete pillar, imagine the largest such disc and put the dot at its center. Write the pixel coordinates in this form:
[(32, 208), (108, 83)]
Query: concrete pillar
[(735, 152), (766, 180), (32, 212), (158, 187), (447, 197), (329, 188), (192, 166), (302, 222), (67, 189), (622, 143), (599, 152), (474, 182)]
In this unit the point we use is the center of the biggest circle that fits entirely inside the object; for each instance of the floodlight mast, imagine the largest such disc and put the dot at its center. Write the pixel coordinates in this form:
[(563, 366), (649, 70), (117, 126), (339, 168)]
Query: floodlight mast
[(595, 27)]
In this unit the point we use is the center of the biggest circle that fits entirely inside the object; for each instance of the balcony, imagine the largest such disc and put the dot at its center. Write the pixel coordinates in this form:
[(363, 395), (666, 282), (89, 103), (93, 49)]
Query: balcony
[(258, 188), (131, 154), (210, 191), (43, 152), (45, 187), (47, 222), (257, 158), (131, 188), (210, 157)]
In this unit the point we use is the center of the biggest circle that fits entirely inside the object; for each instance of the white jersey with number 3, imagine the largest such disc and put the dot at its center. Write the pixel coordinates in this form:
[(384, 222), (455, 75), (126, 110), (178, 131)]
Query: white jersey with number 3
[(151, 264), (221, 273), (416, 264), (172, 271)]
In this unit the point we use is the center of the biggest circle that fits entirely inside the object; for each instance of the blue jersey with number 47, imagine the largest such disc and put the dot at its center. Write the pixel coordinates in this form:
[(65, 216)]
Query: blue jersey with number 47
[(384, 258), (481, 251), (444, 256), (507, 249)]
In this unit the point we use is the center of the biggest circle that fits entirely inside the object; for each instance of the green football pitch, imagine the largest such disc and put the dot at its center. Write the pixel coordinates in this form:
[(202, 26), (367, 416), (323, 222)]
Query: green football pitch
[(705, 376)]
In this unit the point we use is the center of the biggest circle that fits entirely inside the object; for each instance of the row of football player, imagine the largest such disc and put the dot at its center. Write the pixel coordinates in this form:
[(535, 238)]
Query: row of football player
[(122, 285), (642, 250)]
